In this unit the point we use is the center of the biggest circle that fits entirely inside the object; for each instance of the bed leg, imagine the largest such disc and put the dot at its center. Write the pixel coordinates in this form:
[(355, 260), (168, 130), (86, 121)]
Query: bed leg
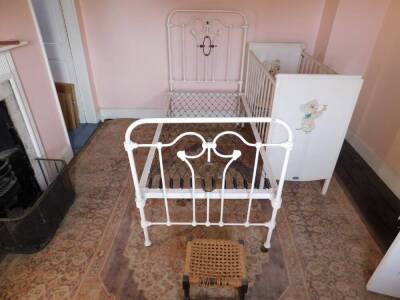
[(147, 241), (267, 245), (326, 186), (144, 223)]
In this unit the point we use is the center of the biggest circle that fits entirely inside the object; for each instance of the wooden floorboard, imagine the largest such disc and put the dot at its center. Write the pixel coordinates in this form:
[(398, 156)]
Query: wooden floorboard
[(379, 206)]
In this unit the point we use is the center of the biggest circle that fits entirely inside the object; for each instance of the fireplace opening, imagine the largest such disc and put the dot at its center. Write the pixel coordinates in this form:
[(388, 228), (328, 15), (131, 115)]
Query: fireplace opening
[(18, 185), (29, 216), (35, 191)]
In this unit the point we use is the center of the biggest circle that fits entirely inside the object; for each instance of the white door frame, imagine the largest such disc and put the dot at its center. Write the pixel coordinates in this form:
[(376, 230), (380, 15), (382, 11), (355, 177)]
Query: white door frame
[(68, 154), (87, 105), (79, 59)]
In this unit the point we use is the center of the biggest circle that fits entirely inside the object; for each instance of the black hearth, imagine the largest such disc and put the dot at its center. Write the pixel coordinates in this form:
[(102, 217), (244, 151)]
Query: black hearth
[(29, 217), (18, 184), (9, 186)]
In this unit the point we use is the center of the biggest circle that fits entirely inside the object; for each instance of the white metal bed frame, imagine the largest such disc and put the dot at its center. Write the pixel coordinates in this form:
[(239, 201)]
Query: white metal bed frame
[(259, 126), (207, 20)]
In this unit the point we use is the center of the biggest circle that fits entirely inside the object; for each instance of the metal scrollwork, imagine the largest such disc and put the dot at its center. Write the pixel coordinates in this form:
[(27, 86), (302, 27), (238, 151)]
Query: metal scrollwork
[(207, 44)]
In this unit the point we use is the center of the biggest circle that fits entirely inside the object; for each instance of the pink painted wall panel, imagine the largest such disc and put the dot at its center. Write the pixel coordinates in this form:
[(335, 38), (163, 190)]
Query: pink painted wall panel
[(365, 40), (126, 41), (325, 29), (354, 32), (16, 22), (86, 52), (376, 120)]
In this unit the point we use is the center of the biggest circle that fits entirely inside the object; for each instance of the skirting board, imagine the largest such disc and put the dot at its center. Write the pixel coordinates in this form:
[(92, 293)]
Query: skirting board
[(67, 154), (131, 113), (385, 172)]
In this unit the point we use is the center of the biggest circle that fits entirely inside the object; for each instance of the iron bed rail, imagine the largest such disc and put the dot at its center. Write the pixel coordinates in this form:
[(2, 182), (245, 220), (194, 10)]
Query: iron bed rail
[(209, 148)]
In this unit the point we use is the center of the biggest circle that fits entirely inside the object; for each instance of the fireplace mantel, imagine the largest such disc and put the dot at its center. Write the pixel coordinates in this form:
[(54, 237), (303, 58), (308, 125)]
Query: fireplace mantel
[(7, 68), (11, 47), (18, 102)]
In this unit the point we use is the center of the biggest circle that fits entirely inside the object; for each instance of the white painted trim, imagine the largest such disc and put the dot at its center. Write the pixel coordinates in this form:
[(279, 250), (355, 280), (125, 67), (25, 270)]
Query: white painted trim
[(319, 76), (50, 76), (67, 154), (131, 113), (78, 56), (12, 77), (386, 279), (26, 114), (381, 168)]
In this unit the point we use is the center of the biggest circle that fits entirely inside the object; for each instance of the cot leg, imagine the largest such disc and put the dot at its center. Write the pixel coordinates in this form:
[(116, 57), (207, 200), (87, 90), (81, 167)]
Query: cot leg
[(262, 179), (326, 186), (243, 289), (186, 287)]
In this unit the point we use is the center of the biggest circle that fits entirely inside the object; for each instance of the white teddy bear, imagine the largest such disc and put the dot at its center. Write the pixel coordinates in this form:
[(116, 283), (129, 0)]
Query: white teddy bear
[(273, 67), (311, 111)]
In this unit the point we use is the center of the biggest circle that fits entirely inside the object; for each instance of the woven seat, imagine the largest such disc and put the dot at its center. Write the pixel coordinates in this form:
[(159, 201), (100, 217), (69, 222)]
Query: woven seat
[(212, 262)]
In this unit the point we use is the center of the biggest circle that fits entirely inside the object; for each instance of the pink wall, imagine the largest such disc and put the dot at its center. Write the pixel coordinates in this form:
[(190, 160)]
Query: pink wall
[(354, 32), (126, 41), (365, 40), (376, 120), (86, 50), (16, 22), (325, 28)]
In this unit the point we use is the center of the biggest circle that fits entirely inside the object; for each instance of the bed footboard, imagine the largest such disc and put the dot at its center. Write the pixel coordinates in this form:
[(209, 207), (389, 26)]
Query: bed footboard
[(211, 184)]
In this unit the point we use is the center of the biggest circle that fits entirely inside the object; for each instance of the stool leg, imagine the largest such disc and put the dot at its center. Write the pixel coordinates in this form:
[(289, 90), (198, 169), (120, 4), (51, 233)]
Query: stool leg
[(186, 287), (243, 289)]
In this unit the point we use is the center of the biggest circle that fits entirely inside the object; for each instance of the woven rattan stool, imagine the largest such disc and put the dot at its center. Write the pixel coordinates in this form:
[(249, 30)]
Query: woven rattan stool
[(215, 263)]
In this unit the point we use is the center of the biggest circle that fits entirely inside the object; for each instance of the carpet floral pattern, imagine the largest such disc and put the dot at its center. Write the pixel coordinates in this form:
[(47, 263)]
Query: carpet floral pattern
[(321, 248)]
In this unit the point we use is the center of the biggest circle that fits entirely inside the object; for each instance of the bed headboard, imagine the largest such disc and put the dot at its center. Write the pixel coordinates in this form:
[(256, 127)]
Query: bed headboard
[(206, 49)]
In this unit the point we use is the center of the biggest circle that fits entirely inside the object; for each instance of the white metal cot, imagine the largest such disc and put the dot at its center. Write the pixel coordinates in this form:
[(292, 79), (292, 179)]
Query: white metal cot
[(206, 58)]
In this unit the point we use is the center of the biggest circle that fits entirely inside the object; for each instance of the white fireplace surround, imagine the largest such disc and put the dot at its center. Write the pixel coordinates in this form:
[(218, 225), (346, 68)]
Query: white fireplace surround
[(12, 93)]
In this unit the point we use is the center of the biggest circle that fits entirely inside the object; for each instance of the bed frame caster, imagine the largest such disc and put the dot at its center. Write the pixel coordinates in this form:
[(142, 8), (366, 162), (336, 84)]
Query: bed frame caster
[(264, 249)]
